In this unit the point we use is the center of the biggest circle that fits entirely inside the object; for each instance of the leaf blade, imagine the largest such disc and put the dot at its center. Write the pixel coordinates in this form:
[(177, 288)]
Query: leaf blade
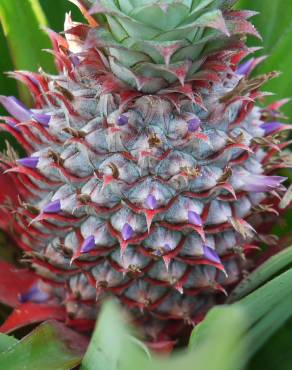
[(6, 341), (21, 21), (262, 274), (50, 346)]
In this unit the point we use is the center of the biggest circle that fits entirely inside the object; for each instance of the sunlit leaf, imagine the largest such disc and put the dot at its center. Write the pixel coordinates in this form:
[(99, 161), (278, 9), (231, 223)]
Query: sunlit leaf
[(21, 21), (56, 13)]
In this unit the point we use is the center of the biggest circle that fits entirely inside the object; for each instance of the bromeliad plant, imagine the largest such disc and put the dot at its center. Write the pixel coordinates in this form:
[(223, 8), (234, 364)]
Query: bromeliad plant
[(150, 173)]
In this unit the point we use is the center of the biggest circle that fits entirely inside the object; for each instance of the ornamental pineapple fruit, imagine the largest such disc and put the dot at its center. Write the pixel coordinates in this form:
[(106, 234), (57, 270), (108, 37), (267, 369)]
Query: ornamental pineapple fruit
[(148, 162)]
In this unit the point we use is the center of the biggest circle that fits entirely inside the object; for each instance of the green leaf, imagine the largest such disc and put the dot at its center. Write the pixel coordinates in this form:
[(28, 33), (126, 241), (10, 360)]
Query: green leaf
[(21, 21), (276, 351), (51, 346), (112, 347), (216, 342), (268, 308), (55, 12), (107, 341), (262, 274), (263, 312), (265, 298), (225, 340), (6, 341), (268, 325)]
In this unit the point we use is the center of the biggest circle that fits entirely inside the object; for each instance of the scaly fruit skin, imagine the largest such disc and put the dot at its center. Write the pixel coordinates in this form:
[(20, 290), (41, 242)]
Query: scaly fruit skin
[(142, 175)]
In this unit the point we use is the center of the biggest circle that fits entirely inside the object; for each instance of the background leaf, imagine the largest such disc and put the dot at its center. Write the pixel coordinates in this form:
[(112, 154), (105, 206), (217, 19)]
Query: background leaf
[(264, 311), (111, 343), (227, 353), (113, 348), (6, 341), (21, 21), (276, 351), (56, 13), (51, 346)]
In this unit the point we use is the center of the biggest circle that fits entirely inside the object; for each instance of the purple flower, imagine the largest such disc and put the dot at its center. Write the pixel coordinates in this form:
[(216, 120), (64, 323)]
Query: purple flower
[(122, 120), (12, 124), (88, 244), (75, 60), (270, 127), (18, 110), (127, 232), (158, 252), (245, 68), (193, 124), (194, 218), (151, 202), (34, 294), (53, 207), (261, 183), (210, 254), (30, 162), (43, 119), (167, 247)]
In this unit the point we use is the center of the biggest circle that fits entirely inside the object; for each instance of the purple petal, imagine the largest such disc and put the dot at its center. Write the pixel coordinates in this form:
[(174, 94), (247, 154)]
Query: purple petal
[(12, 124), (151, 201), (16, 108), (167, 247), (127, 231), (53, 207), (122, 120), (88, 244), (30, 162), (245, 68), (262, 183), (43, 119), (33, 79), (193, 124), (194, 218), (211, 255), (270, 127), (34, 294), (75, 60)]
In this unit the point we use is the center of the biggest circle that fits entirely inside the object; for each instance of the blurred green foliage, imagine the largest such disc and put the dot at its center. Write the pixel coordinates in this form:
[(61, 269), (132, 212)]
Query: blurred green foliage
[(55, 12)]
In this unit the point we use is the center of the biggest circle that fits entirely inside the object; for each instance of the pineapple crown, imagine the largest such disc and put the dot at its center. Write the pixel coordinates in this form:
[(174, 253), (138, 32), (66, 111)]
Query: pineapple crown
[(150, 45)]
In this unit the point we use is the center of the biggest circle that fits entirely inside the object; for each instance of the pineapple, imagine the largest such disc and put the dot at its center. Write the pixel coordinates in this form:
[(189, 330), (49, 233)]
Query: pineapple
[(149, 165)]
